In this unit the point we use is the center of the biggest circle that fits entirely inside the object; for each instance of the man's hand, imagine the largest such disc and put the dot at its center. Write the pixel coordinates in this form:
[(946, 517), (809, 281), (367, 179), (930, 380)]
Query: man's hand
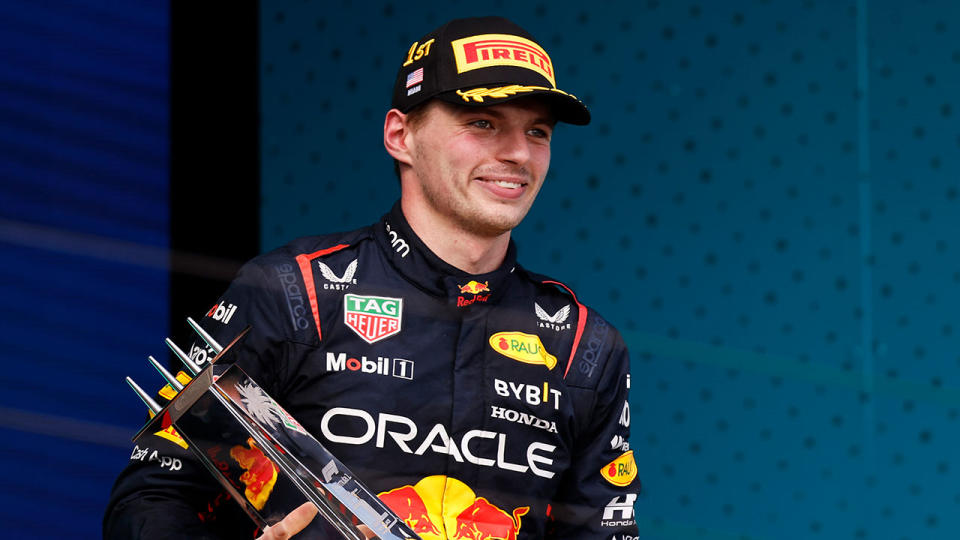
[(295, 522)]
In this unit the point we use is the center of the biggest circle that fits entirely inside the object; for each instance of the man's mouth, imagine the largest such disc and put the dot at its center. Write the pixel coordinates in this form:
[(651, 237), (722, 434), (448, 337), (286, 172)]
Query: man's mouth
[(507, 184)]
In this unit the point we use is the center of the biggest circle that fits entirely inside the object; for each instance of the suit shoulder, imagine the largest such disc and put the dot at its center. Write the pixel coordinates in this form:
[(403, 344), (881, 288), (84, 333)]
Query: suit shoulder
[(601, 353), (597, 345), (547, 286), (312, 247)]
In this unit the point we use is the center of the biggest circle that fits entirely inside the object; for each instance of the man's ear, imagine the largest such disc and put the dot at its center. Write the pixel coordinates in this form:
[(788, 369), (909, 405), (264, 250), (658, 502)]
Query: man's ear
[(395, 132)]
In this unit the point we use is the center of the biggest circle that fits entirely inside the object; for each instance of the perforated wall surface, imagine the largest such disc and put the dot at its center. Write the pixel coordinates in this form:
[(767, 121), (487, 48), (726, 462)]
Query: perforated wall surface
[(765, 205)]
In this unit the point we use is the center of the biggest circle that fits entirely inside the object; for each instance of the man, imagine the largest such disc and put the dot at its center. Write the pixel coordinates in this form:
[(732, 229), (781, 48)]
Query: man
[(478, 399)]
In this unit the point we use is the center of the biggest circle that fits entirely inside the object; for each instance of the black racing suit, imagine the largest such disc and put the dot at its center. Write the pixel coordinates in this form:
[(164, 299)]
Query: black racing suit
[(499, 393)]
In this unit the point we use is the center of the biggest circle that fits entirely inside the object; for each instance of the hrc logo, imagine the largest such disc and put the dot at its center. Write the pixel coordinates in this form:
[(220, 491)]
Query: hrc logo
[(488, 50)]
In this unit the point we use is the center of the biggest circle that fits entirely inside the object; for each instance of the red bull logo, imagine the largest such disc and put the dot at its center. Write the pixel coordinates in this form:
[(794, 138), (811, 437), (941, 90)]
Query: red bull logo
[(260, 475), (484, 521), (475, 287), (409, 506), (444, 508)]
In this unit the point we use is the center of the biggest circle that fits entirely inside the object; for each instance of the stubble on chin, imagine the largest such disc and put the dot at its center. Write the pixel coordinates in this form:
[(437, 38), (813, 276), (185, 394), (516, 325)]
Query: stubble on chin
[(468, 216), (473, 215), (489, 224)]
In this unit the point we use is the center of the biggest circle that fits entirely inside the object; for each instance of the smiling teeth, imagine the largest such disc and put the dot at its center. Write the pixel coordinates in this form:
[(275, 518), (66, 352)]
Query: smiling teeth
[(506, 184)]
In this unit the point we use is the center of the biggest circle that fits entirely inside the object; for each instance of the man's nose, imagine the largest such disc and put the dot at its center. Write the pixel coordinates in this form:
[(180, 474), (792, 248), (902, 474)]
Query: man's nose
[(513, 146)]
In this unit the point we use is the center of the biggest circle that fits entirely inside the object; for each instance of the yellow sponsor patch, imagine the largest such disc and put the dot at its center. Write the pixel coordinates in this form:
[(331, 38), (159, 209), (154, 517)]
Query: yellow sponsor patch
[(526, 348), (171, 435), (489, 50), (168, 393), (621, 471)]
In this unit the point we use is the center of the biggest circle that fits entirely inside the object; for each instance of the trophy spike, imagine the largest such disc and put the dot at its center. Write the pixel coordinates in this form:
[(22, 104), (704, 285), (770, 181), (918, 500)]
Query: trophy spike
[(194, 368), (205, 336), (147, 400), (223, 411), (167, 376)]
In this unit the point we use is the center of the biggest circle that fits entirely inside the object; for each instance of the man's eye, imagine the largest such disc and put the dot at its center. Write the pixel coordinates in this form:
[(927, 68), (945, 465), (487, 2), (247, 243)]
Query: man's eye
[(483, 124), (539, 133)]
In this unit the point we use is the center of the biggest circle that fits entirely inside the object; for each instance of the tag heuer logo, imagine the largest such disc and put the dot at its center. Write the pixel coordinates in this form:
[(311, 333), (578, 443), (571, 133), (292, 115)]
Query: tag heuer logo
[(372, 317)]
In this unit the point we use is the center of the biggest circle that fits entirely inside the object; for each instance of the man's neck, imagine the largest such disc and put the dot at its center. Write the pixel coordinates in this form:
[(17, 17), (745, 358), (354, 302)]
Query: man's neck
[(457, 247)]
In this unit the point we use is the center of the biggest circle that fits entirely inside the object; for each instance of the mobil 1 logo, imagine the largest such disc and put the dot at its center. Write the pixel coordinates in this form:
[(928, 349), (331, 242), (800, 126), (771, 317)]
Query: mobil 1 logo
[(400, 368)]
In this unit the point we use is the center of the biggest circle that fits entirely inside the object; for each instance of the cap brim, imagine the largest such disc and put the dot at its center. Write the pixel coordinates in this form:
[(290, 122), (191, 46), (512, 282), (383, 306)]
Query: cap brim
[(566, 108)]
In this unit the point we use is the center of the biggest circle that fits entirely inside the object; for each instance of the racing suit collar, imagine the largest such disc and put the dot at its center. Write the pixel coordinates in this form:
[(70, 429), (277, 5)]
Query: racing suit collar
[(417, 264)]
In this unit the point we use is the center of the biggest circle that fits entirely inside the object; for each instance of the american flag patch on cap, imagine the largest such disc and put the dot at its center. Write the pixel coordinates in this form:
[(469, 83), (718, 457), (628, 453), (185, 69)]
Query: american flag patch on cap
[(415, 77)]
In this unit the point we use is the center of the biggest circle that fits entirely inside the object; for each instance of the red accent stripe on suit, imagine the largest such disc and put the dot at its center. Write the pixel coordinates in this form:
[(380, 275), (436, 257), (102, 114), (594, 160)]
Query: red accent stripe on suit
[(306, 270), (581, 322)]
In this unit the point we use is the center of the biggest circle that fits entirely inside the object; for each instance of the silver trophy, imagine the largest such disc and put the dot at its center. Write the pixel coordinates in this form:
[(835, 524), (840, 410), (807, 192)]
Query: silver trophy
[(260, 454)]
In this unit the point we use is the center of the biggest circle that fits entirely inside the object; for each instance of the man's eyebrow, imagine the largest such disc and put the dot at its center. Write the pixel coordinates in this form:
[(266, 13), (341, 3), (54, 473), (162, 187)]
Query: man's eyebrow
[(548, 120)]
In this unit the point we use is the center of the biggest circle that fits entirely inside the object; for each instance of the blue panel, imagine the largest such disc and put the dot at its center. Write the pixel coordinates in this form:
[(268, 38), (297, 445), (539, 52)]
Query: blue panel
[(84, 225)]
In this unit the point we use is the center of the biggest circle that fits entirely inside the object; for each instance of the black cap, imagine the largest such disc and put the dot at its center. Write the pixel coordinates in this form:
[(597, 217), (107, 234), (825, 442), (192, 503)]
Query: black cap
[(478, 62)]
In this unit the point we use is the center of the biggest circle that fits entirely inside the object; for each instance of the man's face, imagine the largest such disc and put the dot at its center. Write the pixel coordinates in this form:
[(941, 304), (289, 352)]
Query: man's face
[(480, 168)]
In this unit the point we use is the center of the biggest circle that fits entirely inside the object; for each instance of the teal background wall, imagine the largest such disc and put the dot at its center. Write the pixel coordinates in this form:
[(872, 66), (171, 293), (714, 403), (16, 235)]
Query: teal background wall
[(765, 204)]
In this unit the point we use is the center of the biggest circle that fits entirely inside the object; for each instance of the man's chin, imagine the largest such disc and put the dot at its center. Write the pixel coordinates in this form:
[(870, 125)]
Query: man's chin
[(497, 224)]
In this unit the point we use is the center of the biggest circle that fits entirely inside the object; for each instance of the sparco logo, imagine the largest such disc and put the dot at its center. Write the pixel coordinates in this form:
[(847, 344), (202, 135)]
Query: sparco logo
[(594, 347), (335, 282), (398, 367), (625, 415), (222, 313), (291, 289), (341, 425), (622, 506), (396, 242), (555, 322)]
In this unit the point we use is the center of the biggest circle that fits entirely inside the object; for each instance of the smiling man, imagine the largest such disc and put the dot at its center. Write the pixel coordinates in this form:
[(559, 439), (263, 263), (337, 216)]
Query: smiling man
[(470, 174), (477, 398)]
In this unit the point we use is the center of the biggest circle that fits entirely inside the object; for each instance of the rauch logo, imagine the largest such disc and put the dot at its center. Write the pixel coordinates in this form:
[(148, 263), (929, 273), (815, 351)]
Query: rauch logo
[(526, 348)]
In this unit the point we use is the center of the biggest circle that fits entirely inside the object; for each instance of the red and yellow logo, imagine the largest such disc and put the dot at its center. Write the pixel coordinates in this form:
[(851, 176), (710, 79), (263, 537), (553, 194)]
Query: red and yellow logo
[(489, 50), (439, 504), (526, 348), (171, 435), (260, 475), (621, 471), (474, 287), (168, 393)]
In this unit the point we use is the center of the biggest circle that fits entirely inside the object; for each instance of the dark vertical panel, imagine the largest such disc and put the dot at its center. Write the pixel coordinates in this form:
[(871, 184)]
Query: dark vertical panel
[(83, 250), (215, 164)]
